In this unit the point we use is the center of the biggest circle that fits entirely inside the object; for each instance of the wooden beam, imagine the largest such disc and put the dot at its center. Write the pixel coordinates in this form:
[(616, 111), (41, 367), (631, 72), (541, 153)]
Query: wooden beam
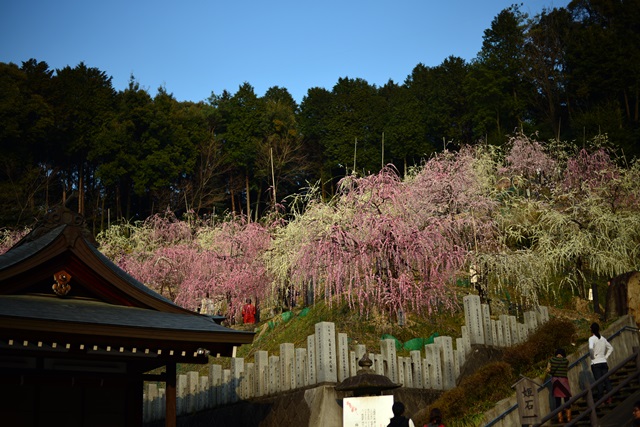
[(135, 402), (170, 396), (161, 377)]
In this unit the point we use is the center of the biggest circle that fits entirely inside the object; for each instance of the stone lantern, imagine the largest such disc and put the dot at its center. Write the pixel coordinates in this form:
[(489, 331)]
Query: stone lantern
[(366, 382)]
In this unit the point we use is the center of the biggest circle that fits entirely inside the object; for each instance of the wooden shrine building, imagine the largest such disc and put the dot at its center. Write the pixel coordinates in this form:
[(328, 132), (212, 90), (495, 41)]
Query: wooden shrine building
[(79, 336)]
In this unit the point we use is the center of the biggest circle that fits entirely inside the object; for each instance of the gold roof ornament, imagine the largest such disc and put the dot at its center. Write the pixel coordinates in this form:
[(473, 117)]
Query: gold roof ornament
[(61, 287)]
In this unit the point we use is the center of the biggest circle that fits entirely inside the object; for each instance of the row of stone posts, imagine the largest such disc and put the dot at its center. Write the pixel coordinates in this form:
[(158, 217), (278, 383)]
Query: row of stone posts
[(328, 358)]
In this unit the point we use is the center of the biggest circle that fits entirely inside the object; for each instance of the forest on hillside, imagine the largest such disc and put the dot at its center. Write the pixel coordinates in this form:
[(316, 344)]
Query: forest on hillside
[(67, 137)]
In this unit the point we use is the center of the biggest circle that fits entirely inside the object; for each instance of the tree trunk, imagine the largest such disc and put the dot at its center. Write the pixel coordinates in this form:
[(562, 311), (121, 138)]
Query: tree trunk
[(233, 201), (257, 204), (626, 104), (118, 211), (246, 176), (636, 114), (128, 207), (81, 189)]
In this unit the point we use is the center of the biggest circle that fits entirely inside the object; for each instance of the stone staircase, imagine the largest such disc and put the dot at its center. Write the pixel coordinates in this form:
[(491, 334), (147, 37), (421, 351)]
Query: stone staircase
[(624, 367), (609, 414)]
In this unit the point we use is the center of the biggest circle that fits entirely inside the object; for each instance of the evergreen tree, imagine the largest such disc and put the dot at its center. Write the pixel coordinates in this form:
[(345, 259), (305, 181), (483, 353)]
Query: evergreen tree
[(496, 85)]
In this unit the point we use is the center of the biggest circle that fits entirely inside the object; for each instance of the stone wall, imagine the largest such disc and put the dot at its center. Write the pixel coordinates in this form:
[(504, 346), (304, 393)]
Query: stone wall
[(318, 406), (328, 359)]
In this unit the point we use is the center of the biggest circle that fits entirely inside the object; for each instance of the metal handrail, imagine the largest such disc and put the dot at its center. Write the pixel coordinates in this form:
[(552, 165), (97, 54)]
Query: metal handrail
[(589, 392), (547, 382)]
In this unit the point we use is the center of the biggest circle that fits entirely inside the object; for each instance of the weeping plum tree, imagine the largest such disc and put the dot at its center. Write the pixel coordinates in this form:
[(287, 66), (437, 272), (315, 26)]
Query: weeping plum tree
[(234, 266), (189, 260), (9, 237), (386, 243), (575, 217)]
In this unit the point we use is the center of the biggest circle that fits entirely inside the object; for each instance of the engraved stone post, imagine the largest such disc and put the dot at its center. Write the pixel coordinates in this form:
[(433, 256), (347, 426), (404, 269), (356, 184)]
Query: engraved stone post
[(445, 345), (388, 350), (408, 372), (401, 371), (311, 359), (343, 357), (355, 356), (473, 318), (181, 394), (416, 368), (506, 329), (203, 393), (486, 324), (203, 387), (274, 374), (456, 365), (326, 357), (543, 314), (215, 382), (193, 381), (528, 405), (426, 374), (378, 364), (531, 321), (435, 365), (261, 360), (248, 381), (460, 350), (494, 333), (515, 333), (237, 369), (522, 329), (499, 333), (225, 389), (360, 350), (353, 363), (466, 340), (301, 367), (162, 403), (287, 363), (152, 396)]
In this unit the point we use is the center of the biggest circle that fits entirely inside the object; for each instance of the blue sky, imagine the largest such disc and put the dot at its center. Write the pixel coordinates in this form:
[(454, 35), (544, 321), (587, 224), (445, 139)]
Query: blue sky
[(196, 47)]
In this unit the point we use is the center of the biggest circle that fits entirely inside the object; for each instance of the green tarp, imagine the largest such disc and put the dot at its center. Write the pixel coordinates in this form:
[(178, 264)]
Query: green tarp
[(413, 344), (419, 343), (391, 337)]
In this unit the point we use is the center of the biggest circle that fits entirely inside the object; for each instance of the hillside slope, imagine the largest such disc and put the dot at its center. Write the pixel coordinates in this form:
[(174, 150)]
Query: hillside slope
[(481, 388)]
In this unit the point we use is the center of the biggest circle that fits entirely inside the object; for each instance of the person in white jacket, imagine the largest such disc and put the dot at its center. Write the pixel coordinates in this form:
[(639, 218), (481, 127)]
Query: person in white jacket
[(599, 350)]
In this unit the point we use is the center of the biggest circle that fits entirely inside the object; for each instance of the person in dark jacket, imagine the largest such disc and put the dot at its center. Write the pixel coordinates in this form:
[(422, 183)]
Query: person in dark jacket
[(636, 414), (435, 418), (399, 420)]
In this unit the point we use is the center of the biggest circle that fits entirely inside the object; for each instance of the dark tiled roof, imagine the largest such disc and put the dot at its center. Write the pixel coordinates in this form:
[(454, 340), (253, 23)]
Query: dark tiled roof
[(28, 248), (19, 253), (127, 277), (99, 313), (130, 311)]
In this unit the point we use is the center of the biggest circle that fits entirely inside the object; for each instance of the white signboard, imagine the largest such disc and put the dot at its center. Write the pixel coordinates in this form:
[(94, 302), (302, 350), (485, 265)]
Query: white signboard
[(370, 411)]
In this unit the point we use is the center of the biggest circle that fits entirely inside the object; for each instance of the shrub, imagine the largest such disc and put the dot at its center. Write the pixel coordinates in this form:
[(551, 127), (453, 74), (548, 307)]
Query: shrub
[(464, 405), (475, 394), (540, 346)]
